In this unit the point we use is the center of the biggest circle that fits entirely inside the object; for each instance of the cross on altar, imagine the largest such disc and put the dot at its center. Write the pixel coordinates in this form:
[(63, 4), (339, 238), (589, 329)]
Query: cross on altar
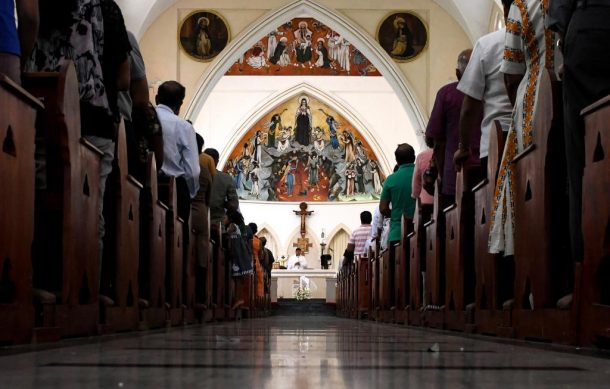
[(303, 244)]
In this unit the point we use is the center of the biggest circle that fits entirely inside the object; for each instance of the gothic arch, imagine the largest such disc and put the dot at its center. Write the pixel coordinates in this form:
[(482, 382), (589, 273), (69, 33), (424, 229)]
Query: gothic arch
[(334, 102), (314, 252), (266, 228), (337, 253), (343, 25)]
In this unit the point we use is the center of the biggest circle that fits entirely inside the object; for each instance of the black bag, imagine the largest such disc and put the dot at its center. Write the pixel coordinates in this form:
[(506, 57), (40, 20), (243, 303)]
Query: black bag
[(429, 177), (241, 255)]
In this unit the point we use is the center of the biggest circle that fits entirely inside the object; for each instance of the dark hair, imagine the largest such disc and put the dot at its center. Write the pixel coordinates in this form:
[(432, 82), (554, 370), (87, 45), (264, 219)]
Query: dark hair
[(366, 217), (214, 154), (253, 227), (235, 217), (404, 154), (395, 168), (298, 249), (507, 3), (171, 93), (200, 142)]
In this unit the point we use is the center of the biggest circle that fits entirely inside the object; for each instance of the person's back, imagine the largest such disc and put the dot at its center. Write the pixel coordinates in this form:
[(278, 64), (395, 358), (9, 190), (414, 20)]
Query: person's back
[(397, 191), (223, 195), (483, 80)]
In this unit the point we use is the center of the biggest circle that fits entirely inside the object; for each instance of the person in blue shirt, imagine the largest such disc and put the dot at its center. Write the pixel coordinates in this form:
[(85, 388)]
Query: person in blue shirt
[(17, 44)]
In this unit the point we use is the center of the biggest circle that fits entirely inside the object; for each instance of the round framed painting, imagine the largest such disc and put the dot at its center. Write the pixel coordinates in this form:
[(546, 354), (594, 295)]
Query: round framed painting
[(203, 34), (403, 35)]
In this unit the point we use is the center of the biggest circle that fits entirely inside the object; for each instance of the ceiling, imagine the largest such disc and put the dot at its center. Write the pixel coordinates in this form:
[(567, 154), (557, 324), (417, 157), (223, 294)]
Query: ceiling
[(472, 15)]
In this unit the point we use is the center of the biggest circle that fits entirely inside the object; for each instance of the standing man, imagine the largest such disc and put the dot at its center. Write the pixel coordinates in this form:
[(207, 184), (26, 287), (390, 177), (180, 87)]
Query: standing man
[(357, 242), (223, 195), (397, 192), (586, 50), (180, 156), (199, 219), (297, 261), (486, 98), (443, 129)]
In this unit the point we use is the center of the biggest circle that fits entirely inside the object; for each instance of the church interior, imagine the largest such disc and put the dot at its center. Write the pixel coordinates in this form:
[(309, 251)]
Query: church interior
[(382, 193)]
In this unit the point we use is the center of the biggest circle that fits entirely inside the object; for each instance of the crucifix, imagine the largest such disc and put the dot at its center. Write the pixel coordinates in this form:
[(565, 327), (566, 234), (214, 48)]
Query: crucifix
[(303, 242)]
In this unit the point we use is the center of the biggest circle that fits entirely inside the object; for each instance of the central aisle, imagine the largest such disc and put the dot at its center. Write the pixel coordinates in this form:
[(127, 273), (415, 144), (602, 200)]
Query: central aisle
[(298, 352)]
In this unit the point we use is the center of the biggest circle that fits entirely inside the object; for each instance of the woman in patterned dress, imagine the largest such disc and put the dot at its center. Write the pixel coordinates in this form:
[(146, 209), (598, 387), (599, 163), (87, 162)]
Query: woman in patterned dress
[(529, 51)]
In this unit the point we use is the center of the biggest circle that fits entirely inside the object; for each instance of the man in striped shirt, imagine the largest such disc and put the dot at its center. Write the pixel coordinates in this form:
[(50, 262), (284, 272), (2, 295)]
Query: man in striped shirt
[(357, 242)]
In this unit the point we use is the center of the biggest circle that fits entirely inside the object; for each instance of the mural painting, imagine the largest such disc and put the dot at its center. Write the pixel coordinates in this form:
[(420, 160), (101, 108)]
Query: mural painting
[(304, 151), (403, 35), (203, 34), (303, 46)]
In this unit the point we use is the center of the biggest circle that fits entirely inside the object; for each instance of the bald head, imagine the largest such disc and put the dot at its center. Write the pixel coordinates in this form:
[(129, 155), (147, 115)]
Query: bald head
[(462, 63)]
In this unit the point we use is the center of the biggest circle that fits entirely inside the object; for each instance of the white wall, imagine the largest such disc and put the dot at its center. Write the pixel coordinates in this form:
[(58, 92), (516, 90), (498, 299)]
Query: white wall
[(279, 219)]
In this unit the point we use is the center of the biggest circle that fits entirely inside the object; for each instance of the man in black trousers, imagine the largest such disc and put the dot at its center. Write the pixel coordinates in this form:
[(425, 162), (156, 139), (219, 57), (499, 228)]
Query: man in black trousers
[(585, 28)]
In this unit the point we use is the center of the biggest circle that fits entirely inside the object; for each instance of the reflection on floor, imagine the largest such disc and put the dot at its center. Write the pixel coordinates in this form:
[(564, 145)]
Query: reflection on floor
[(298, 352)]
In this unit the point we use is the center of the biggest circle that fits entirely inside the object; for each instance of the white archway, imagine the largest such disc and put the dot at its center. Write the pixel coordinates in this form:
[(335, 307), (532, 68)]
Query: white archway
[(267, 231), (339, 237), (365, 43), (334, 102)]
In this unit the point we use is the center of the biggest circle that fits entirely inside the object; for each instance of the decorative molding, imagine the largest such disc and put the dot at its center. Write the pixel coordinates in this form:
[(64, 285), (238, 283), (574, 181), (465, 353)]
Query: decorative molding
[(340, 23)]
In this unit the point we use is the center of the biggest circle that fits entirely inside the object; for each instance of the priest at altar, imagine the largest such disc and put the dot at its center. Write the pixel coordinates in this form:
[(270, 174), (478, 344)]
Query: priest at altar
[(297, 261)]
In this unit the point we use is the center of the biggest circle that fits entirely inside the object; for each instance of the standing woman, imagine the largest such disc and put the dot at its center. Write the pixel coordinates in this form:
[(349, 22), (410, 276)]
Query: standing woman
[(528, 57), (302, 121)]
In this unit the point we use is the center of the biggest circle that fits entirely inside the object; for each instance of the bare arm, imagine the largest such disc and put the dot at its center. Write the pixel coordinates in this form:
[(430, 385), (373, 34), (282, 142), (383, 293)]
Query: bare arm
[(384, 208), (470, 118), (139, 92), (29, 20)]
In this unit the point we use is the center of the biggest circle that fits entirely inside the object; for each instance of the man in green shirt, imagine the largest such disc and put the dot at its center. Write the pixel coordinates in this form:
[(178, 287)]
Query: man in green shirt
[(396, 197)]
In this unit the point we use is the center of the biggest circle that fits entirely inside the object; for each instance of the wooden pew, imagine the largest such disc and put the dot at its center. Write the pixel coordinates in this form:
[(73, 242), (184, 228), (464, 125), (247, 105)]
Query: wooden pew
[(595, 301), (435, 266), (174, 254), (386, 284), (417, 244), (219, 273), (153, 243), (17, 132), (542, 269), (402, 273), (121, 244), (353, 314), (375, 293), (363, 265), (66, 243), (494, 282), (459, 261)]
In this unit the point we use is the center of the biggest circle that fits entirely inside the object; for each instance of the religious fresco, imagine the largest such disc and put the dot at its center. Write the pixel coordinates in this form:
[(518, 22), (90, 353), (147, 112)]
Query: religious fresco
[(403, 35), (203, 35), (303, 46), (303, 150)]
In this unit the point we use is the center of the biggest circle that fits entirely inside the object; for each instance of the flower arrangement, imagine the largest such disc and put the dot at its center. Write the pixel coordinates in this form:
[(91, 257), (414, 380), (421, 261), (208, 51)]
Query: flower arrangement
[(302, 293)]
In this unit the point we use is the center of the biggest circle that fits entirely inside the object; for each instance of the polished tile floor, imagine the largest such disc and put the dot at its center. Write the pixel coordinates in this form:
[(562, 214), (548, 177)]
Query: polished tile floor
[(299, 352)]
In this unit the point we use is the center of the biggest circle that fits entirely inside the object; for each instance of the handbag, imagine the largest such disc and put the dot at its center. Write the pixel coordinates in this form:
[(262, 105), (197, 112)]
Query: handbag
[(430, 176)]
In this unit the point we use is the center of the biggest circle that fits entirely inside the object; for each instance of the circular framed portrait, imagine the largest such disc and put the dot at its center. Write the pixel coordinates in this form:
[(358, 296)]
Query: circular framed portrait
[(203, 34), (403, 35)]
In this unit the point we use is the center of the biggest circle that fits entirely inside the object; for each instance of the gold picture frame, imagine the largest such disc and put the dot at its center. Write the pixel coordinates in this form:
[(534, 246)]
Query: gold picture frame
[(404, 35), (203, 34)]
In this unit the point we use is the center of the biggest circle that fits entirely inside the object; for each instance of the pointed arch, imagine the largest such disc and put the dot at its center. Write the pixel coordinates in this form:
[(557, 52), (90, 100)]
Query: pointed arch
[(314, 251), (334, 102), (267, 230), (343, 25), (339, 238)]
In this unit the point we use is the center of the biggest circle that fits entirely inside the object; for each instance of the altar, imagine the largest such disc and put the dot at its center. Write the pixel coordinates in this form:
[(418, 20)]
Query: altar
[(321, 283)]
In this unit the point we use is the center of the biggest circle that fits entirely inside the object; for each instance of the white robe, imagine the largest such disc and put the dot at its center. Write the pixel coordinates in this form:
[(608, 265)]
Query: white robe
[(295, 263), (271, 45)]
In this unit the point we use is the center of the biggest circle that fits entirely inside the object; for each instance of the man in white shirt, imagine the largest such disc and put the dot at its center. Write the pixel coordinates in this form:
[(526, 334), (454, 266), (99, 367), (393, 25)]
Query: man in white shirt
[(486, 97), (180, 151), (297, 261)]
